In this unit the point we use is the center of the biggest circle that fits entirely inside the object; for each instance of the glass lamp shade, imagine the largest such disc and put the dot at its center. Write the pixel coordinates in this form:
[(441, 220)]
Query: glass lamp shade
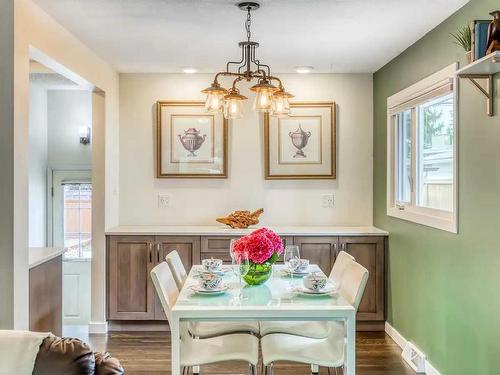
[(263, 95), (214, 102), (215, 98), (233, 109), (280, 106), (263, 100)]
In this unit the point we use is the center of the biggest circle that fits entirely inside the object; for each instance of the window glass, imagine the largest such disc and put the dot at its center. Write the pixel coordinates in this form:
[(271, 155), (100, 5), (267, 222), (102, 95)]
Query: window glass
[(77, 220), (435, 153), (403, 156)]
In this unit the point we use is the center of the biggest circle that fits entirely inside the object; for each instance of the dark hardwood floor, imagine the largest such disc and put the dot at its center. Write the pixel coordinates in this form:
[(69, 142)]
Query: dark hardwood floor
[(149, 353)]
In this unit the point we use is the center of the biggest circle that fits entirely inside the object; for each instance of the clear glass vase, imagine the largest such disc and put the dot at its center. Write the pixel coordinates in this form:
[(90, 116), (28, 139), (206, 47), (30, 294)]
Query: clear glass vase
[(258, 273)]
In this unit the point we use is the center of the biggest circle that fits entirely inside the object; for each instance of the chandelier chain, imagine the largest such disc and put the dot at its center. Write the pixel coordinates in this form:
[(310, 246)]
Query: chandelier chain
[(248, 23)]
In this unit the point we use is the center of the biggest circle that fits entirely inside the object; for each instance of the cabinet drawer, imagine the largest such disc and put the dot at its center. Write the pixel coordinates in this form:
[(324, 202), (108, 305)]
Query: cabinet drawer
[(216, 247)]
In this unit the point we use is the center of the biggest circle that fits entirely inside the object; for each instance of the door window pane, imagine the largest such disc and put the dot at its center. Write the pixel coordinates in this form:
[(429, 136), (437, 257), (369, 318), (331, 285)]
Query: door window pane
[(403, 156), (77, 220), (435, 154)]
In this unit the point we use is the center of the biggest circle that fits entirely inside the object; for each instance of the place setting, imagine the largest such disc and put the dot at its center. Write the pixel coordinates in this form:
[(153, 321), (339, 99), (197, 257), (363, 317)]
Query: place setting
[(210, 277), (316, 284)]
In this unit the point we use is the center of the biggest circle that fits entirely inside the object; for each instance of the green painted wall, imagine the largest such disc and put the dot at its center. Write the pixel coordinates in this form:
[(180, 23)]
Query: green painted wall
[(444, 290)]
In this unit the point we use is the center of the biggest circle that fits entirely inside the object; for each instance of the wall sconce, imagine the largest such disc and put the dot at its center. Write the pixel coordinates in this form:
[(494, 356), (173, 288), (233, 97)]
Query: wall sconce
[(84, 133)]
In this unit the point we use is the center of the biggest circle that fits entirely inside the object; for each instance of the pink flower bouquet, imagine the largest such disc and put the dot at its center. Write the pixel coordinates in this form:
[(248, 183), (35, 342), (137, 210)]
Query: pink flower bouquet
[(262, 246)]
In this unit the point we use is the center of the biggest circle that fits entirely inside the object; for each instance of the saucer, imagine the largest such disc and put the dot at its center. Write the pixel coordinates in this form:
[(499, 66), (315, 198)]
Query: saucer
[(297, 273), (200, 290), (329, 289), (222, 271)]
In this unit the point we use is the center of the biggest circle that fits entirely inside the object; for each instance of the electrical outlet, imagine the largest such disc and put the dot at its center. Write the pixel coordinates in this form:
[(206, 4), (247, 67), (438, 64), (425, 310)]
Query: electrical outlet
[(327, 201), (163, 200)]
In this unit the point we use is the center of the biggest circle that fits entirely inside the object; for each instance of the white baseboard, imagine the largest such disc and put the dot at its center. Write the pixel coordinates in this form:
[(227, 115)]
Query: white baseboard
[(401, 341), (98, 327), (430, 369)]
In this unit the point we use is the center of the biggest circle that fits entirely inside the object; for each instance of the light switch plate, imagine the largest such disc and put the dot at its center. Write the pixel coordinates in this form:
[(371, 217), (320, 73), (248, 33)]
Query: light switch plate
[(327, 201), (164, 200)]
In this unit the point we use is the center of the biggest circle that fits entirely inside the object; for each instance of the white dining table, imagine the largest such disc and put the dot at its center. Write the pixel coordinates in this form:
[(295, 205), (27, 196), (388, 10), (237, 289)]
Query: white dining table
[(274, 300)]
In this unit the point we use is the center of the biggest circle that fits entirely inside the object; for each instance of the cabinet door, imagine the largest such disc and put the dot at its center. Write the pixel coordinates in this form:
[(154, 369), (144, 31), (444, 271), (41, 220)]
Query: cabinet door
[(188, 248), (319, 250), (370, 253), (131, 294)]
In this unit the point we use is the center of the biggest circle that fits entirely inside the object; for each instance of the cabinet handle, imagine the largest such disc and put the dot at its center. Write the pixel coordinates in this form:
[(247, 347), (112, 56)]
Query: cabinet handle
[(150, 252), (335, 246), (158, 246)]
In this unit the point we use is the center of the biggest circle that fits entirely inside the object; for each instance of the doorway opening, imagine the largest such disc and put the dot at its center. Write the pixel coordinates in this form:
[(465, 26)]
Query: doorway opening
[(60, 185)]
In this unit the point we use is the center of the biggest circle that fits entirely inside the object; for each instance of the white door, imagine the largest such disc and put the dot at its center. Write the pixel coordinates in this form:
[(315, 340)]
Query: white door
[(72, 223)]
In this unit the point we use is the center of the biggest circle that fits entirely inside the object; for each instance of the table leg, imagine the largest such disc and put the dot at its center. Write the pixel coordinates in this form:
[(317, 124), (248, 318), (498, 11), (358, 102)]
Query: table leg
[(351, 345), (176, 344)]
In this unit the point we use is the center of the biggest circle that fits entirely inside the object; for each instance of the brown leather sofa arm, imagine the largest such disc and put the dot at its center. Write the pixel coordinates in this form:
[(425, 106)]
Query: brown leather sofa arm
[(67, 356)]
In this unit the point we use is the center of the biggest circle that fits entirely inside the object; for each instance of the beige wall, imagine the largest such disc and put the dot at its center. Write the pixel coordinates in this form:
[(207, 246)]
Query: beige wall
[(285, 202), (7, 275), (39, 36)]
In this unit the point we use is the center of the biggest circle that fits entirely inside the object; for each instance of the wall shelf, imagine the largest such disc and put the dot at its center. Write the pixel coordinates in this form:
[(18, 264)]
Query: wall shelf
[(483, 70)]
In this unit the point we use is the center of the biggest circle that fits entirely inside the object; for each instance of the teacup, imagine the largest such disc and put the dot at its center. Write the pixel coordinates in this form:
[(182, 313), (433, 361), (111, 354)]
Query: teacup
[(210, 281), (212, 265), (298, 265), (315, 282)]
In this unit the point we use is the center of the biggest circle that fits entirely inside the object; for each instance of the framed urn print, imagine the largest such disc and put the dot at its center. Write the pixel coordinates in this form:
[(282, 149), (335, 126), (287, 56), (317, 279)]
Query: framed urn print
[(190, 142), (303, 144)]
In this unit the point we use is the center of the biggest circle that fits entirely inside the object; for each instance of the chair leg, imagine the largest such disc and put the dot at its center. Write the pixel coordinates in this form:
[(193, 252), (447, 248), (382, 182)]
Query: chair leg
[(196, 370), (314, 369), (269, 369)]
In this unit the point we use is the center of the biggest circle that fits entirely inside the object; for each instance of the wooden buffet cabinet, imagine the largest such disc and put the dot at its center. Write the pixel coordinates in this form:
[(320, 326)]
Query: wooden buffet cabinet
[(131, 256)]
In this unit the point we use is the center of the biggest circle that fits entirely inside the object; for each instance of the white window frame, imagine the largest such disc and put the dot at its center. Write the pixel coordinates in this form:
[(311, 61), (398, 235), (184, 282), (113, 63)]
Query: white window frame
[(405, 99)]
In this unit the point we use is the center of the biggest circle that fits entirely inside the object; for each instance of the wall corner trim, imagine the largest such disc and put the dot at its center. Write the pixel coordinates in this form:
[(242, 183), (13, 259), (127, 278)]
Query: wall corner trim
[(401, 341), (98, 327)]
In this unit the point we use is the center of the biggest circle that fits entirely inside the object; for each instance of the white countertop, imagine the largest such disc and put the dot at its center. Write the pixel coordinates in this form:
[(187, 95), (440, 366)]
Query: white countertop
[(223, 230), (39, 255)]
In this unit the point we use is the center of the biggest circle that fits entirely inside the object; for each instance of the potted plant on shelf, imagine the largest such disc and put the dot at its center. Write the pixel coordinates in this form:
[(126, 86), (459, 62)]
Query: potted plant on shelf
[(463, 37), (263, 248)]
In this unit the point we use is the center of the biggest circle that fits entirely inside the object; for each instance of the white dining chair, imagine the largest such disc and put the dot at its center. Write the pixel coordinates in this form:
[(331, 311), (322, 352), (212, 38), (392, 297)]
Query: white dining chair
[(206, 329), (313, 329), (326, 352), (174, 261), (196, 352), (342, 261)]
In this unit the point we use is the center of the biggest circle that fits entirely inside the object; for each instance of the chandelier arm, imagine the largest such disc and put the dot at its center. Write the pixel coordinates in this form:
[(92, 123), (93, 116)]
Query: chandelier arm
[(225, 74), (258, 63), (236, 81), (236, 62), (280, 84)]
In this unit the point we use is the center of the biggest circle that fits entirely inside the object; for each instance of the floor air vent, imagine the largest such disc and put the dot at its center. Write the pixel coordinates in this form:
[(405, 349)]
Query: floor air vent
[(414, 357)]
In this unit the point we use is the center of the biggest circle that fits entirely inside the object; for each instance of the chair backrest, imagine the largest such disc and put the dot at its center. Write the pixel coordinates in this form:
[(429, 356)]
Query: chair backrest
[(175, 263), (342, 261), (353, 283), (165, 286)]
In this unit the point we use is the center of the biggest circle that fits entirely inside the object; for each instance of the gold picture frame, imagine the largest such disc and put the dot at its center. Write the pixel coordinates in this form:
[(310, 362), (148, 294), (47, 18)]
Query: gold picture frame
[(309, 154), (192, 154)]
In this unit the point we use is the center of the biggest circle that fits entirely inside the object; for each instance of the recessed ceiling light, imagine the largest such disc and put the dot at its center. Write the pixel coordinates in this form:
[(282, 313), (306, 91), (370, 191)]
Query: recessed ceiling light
[(189, 70), (304, 69)]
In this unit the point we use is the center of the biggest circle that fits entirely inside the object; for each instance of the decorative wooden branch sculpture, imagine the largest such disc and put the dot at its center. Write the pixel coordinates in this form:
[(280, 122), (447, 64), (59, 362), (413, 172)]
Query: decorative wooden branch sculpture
[(241, 219)]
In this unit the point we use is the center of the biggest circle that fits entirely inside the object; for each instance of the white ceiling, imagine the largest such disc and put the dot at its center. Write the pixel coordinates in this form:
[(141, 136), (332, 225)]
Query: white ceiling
[(331, 35)]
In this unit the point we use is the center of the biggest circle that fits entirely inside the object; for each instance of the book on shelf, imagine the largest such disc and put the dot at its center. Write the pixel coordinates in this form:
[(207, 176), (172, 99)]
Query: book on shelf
[(479, 38)]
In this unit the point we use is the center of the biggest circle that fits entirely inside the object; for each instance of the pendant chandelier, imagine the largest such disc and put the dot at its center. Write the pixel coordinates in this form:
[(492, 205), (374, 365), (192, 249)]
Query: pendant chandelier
[(269, 97)]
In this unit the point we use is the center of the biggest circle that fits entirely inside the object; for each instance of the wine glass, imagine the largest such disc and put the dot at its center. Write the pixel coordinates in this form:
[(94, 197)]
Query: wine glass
[(243, 268), (291, 252), (234, 258)]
